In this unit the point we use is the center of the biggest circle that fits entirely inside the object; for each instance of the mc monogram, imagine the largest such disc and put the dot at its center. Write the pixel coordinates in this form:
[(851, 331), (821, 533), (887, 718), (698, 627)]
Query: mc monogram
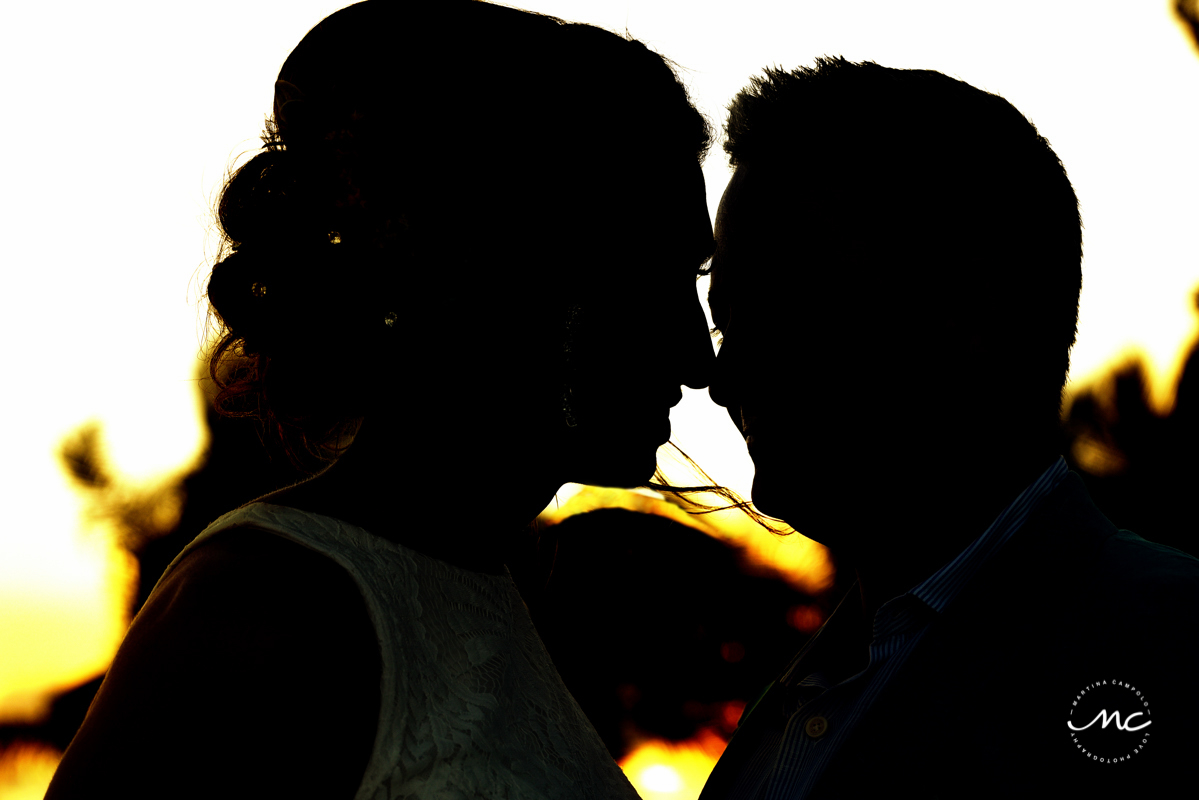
[(1126, 725), (1109, 741)]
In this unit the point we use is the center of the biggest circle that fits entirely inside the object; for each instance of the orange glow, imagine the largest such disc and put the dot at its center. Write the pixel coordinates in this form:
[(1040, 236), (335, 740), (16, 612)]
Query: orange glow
[(802, 562), (26, 770), (642, 501), (662, 770), (64, 629), (794, 558), (50, 644), (721, 453), (805, 618), (1096, 457), (730, 714)]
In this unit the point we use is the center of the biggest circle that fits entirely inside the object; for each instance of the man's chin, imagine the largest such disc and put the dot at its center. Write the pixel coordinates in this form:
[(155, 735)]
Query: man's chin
[(791, 507), (766, 498)]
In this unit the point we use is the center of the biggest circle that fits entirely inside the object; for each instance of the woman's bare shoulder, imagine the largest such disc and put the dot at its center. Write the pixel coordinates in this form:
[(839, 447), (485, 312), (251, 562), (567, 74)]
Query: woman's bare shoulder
[(254, 575), (253, 661)]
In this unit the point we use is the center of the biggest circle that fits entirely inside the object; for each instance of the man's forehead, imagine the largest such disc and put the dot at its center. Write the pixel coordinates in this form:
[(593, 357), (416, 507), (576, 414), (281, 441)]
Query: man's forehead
[(744, 234), (737, 195)]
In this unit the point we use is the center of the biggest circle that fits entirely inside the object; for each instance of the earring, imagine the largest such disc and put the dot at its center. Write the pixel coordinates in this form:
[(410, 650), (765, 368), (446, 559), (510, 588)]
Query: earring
[(572, 315)]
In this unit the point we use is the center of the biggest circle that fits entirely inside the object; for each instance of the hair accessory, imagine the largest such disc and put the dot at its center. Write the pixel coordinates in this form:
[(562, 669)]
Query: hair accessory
[(258, 289), (334, 237), (286, 94), (389, 319)]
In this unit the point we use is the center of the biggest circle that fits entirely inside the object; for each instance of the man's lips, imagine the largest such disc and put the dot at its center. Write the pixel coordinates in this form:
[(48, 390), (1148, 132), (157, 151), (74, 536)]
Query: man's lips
[(748, 424)]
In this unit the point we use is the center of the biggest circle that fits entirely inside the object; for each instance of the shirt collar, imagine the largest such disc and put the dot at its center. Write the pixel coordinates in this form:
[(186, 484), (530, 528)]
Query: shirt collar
[(940, 589), (903, 613)]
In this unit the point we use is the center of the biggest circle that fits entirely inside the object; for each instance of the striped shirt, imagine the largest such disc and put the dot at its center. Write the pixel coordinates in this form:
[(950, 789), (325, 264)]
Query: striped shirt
[(792, 748)]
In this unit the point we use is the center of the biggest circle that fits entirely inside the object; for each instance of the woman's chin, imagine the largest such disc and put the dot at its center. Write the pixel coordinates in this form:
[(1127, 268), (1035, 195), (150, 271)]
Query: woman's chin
[(619, 456), (627, 467)]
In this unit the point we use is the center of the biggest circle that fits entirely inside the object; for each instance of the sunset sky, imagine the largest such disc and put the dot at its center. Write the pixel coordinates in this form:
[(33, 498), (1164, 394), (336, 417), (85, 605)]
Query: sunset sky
[(122, 118)]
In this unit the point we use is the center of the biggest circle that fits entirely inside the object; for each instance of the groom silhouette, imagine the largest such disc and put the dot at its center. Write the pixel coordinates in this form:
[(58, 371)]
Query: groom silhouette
[(896, 282)]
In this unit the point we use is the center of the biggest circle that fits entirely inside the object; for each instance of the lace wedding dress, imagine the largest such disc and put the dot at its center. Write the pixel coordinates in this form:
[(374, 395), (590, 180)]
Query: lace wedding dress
[(472, 706)]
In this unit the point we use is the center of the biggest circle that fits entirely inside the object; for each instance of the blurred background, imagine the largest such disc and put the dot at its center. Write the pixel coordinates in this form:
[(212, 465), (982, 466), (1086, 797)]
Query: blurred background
[(121, 121)]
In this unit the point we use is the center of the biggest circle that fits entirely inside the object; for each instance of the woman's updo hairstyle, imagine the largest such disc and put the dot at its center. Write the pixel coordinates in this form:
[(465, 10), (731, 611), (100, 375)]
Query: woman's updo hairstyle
[(424, 158)]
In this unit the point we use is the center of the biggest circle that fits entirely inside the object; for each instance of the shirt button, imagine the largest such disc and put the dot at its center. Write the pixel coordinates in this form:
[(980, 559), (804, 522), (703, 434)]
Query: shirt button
[(816, 727)]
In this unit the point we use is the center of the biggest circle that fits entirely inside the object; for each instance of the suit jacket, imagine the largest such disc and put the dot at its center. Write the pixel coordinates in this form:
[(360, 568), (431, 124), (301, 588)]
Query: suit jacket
[(981, 706)]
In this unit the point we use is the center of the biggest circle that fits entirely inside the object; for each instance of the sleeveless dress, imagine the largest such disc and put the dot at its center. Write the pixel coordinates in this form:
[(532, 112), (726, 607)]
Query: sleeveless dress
[(471, 705)]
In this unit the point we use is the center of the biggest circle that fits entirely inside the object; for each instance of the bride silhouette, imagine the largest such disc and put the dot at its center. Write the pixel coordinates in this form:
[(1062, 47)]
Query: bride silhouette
[(459, 274)]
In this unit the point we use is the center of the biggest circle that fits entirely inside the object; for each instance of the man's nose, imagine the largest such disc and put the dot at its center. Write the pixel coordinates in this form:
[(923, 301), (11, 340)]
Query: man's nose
[(720, 387)]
